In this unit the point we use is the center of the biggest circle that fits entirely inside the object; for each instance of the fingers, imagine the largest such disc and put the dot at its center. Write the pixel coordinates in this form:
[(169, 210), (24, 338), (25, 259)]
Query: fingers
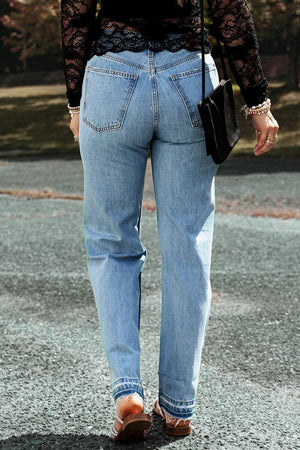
[(266, 129), (262, 145)]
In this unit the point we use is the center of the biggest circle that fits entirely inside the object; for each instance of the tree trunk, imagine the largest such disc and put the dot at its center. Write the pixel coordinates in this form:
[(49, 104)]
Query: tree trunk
[(293, 68), (24, 59)]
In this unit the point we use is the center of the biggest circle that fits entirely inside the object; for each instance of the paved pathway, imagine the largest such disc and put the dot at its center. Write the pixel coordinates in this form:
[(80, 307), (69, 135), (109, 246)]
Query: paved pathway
[(55, 385)]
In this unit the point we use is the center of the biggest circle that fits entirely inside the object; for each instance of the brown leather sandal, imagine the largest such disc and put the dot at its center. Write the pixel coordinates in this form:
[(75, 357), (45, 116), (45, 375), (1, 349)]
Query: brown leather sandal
[(174, 426), (134, 427)]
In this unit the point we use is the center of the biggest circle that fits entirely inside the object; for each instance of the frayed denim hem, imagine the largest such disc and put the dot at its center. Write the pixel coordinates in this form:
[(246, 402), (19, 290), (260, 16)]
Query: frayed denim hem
[(126, 386), (177, 408)]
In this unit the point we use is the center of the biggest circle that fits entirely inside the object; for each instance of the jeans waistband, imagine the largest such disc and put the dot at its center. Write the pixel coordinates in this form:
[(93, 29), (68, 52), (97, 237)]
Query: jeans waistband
[(162, 60)]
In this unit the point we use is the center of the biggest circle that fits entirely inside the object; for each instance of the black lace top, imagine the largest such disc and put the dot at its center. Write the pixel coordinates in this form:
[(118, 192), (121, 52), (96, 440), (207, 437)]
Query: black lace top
[(156, 25)]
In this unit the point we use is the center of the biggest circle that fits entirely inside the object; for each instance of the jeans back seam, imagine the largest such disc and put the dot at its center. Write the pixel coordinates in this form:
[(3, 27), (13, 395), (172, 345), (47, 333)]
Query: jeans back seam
[(154, 90)]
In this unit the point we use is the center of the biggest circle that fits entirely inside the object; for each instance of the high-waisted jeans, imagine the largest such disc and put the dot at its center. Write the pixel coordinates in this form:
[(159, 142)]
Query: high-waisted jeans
[(130, 100)]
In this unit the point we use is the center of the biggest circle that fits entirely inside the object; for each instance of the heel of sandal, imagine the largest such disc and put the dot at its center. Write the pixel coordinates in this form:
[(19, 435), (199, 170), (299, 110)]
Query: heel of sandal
[(173, 429)]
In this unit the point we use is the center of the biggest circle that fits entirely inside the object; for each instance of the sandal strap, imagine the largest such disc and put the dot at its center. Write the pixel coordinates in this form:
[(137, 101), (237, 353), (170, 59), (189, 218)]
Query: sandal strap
[(119, 420), (157, 406), (177, 422), (169, 421), (113, 432)]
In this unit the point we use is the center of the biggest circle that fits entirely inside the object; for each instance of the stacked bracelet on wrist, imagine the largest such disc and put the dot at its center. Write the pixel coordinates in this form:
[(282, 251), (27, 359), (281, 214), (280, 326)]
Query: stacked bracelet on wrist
[(259, 109), (73, 109)]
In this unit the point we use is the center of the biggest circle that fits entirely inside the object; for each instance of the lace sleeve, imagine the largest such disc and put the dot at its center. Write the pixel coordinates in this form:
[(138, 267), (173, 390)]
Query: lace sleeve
[(77, 24), (234, 23)]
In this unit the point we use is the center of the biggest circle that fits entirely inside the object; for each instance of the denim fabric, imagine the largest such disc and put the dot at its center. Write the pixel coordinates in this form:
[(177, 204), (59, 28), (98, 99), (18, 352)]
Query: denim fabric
[(130, 100)]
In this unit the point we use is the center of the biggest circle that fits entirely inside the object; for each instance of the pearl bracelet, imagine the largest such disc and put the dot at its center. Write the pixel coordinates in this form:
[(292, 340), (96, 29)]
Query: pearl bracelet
[(259, 109), (73, 110)]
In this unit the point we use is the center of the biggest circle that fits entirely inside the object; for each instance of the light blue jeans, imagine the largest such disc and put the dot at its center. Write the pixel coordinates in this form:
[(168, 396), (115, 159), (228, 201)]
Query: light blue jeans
[(130, 100)]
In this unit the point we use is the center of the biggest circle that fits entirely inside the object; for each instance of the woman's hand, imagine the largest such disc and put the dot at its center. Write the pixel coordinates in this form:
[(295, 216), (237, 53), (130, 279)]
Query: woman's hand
[(266, 128), (74, 126)]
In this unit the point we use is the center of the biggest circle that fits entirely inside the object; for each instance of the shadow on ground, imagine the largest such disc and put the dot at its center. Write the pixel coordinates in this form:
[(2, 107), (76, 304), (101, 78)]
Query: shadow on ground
[(70, 441), (156, 439), (258, 164)]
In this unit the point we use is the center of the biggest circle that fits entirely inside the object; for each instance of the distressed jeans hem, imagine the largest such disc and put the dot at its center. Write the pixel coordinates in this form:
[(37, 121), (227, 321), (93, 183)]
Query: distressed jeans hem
[(176, 408), (126, 386)]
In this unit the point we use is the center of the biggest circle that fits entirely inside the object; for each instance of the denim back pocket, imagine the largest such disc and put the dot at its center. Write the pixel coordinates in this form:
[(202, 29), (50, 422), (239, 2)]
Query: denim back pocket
[(107, 95), (189, 86)]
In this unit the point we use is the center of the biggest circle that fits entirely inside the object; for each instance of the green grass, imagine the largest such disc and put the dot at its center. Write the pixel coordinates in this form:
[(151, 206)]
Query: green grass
[(34, 119)]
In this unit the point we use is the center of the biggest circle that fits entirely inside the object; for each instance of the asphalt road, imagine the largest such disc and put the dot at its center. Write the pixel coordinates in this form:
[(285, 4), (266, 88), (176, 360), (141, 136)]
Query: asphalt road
[(54, 392)]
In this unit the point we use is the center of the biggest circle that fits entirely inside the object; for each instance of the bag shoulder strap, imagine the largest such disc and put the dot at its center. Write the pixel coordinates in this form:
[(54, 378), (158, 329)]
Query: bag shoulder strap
[(219, 46)]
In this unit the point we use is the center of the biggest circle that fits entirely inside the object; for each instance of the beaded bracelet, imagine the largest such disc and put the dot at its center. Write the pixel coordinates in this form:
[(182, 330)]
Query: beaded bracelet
[(259, 109), (73, 110)]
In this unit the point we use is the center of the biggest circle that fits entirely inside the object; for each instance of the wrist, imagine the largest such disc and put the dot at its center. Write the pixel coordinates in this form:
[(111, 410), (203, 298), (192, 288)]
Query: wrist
[(73, 110)]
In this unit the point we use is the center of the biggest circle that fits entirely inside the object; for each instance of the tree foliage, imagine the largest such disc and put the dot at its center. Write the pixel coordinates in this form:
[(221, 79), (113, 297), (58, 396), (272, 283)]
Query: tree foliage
[(280, 21), (34, 28), (31, 29), (8, 60)]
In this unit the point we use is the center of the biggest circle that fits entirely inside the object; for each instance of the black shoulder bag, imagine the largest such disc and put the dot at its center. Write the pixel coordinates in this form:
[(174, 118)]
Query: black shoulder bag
[(217, 111)]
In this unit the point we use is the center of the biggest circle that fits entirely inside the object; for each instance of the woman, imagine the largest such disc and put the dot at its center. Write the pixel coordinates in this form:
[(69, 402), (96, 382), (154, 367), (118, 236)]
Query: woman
[(134, 73)]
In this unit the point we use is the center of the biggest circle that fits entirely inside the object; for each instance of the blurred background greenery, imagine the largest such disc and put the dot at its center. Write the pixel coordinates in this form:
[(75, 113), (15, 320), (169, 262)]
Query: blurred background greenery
[(33, 113)]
